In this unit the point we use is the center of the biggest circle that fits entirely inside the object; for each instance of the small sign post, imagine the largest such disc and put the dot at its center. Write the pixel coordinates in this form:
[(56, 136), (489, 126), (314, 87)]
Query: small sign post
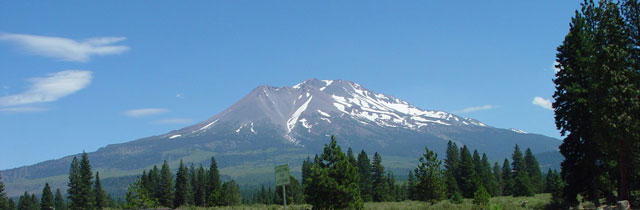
[(282, 178)]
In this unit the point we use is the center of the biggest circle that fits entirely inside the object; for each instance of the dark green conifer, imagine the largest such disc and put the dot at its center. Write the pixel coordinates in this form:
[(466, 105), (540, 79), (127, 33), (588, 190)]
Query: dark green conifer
[(364, 169), (533, 168), (182, 191), (100, 195), (380, 186), (214, 186), (165, 187), (430, 186), (46, 200), (451, 165), (468, 178), (59, 201)]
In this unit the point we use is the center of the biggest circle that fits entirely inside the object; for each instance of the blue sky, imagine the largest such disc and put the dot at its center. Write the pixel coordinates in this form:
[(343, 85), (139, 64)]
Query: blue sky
[(79, 75)]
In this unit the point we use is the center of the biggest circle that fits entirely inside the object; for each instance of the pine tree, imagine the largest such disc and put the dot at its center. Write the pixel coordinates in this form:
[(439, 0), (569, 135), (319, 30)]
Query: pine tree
[(364, 169), (154, 183), (200, 195), (497, 173), (351, 157), (430, 186), (481, 198), (193, 183), (214, 186), (533, 168), (35, 202), (59, 201), (507, 180), (468, 182), (11, 205), (380, 187), (165, 192), (182, 190), (477, 162), (26, 203), (411, 186), (46, 201), (230, 194), (100, 195), (85, 198), (4, 200), (334, 181), (74, 185), (488, 179), (306, 170), (138, 197), (391, 182), (451, 165), (548, 181), (522, 183)]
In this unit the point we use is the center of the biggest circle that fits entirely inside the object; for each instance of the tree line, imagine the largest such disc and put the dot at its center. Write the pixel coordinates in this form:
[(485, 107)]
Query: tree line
[(335, 180), (190, 187), (597, 106)]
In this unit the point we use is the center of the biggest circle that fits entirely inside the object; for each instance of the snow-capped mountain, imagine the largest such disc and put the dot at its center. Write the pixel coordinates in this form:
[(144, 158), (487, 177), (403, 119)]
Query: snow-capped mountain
[(319, 103), (275, 125)]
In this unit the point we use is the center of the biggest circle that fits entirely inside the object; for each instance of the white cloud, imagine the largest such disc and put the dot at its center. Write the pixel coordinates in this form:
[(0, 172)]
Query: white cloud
[(66, 49), (22, 109), (145, 112), (174, 121), (541, 102), (50, 88), (475, 108)]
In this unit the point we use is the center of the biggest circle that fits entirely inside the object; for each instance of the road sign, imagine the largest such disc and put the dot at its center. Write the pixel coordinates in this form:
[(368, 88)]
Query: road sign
[(282, 174)]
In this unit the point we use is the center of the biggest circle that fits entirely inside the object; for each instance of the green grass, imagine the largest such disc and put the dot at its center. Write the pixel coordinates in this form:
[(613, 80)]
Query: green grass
[(502, 203)]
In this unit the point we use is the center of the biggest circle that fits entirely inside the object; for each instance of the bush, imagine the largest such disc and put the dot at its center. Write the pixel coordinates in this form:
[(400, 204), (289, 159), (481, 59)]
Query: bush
[(457, 198), (481, 198)]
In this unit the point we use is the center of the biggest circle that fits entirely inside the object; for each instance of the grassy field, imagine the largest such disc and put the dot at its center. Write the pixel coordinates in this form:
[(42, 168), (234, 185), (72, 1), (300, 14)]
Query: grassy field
[(497, 203)]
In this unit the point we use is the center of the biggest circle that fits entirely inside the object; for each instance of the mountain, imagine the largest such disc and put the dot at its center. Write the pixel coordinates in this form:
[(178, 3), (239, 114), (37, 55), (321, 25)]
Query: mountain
[(275, 125)]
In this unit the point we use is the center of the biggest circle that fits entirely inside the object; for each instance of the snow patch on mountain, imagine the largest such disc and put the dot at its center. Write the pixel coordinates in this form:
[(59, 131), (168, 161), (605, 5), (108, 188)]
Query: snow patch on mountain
[(175, 136), (519, 131), (291, 123)]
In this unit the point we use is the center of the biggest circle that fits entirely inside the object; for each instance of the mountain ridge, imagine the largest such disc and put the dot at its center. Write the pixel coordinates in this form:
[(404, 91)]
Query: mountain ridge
[(273, 125)]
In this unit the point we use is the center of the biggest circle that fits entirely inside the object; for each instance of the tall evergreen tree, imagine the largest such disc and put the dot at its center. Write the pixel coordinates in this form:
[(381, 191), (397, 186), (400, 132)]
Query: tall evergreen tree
[(507, 179), (468, 180), (411, 186), (46, 200), (11, 205), (182, 189), (497, 173), (351, 157), (26, 203), (521, 181), (451, 164), (59, 201), (74, 184), (230, 194), (391, 182), (533, 168), (477, 162), (380, 186), (4, 200), (488, 179), (101, 197), (35, 202), (86, 198), (306, 170), (214, 186), (597, 87), (430, 186), (138, 197), (200, 195), (364, 169), (193, 183), (165, 187), (334, 181)]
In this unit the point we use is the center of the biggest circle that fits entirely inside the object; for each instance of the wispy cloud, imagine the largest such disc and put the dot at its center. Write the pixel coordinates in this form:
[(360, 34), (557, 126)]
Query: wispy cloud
[(145, 112), (50, 88), (66, 49), (174, 121), (22, 109), (542, 102), (475, 108)]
